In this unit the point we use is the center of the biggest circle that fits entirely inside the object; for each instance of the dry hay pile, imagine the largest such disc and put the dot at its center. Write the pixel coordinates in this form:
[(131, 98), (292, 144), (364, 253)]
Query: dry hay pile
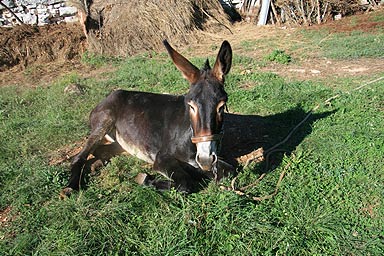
[(30, 44), (122, 28), (116, 28)]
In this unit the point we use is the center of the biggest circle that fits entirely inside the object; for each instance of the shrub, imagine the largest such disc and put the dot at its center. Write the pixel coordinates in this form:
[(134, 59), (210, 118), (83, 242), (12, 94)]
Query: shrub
[(279, 56)]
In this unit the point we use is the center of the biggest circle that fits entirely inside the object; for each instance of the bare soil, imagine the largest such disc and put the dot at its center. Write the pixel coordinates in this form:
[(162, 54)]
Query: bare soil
[(6, 217)]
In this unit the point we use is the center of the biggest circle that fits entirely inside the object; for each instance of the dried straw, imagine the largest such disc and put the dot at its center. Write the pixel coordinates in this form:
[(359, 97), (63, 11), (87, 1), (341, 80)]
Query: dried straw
[(128, 27)]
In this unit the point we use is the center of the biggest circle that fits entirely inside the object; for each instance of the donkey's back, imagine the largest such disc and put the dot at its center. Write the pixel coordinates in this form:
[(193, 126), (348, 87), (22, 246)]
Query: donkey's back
[(142, 123)]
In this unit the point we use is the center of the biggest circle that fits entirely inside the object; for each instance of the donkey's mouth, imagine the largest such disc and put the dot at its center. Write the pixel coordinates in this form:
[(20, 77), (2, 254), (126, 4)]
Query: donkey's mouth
[(206, 163)]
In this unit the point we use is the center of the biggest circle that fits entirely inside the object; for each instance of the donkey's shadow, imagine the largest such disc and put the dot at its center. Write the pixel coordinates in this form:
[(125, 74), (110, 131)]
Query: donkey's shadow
[(246, 133)]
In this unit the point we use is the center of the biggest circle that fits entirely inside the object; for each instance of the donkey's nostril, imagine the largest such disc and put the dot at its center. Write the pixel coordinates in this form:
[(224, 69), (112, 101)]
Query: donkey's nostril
[(214, 156)]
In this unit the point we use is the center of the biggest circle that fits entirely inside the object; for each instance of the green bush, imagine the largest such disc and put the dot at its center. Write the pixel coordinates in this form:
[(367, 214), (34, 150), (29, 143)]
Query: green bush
[(279, 56)]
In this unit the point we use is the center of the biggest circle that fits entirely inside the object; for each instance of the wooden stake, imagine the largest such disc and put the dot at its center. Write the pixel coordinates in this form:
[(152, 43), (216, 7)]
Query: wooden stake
[(275, 14)]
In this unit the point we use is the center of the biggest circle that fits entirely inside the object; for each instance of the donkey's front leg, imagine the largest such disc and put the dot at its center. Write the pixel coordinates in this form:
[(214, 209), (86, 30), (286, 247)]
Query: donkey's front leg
[(102, 124), (180, 174), (78, 163)]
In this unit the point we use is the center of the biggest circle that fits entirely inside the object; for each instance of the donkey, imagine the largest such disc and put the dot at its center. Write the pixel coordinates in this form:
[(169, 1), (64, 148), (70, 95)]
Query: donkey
[(179, 135)]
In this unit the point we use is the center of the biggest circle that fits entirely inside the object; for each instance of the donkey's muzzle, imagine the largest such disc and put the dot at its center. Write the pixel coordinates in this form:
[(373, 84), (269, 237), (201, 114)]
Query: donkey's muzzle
[(206, 163), (207, 150)]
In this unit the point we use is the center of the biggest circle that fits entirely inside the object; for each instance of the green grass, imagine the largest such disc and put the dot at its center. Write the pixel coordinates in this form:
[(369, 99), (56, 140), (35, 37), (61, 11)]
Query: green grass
[(98, 61), (354, 45), (378, 17), (347, 45), (329, 203)]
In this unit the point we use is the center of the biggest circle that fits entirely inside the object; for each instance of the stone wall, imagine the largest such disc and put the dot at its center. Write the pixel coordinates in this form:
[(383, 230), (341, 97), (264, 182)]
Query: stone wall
[(37, 12)]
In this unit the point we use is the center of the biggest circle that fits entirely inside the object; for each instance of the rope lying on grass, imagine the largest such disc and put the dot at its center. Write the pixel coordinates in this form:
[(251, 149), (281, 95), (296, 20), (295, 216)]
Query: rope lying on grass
[(273, 149)]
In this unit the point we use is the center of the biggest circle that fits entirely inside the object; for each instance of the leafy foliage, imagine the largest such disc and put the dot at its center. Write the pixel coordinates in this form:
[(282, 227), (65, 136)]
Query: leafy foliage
[(279, 56)]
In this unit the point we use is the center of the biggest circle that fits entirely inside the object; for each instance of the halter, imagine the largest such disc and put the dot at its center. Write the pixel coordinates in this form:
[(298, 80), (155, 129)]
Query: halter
[(216, 137), (213, 137)]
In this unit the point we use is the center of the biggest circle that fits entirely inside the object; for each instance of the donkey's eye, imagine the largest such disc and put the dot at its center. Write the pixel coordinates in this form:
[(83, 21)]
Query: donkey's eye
[(192, 107), (221, 107)]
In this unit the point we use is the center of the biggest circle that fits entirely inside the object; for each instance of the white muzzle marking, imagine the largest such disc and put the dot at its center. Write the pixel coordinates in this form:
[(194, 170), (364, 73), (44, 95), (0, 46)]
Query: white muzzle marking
[(206, 155)]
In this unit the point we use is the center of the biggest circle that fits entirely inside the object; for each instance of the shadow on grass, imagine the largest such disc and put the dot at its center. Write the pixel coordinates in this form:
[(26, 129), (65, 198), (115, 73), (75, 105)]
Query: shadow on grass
[(246, 133)]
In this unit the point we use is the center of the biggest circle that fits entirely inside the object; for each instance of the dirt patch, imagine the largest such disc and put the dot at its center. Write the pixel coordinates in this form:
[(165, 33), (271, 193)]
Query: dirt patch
[(66, 153), (324, 69), (6, 217)]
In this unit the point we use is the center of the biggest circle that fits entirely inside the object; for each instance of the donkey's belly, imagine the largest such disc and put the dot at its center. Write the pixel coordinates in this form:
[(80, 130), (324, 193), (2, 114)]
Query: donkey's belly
[(135, 150)]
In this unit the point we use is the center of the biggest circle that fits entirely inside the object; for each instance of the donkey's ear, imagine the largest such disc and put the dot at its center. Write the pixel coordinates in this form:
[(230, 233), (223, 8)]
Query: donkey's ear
[(223, 61), (189, 71)]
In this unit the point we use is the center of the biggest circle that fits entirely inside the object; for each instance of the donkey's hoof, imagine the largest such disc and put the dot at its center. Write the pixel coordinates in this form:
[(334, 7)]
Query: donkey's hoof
[(95, 166), (141, 178), (184, 190), (66, 192)]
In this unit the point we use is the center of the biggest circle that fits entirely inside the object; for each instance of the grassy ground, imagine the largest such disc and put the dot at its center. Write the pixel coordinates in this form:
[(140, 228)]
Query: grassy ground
[(329, 203)]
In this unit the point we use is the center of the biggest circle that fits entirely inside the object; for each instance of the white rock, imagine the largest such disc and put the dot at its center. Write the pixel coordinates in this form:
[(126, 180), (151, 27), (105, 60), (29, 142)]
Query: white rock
[(298, 70), (29, 18), (71, 19), (67, 11), (315, 71), (43, 19)]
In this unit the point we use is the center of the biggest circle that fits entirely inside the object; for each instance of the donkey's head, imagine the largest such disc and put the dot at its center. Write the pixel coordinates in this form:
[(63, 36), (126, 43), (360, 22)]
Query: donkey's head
[(206, 101)]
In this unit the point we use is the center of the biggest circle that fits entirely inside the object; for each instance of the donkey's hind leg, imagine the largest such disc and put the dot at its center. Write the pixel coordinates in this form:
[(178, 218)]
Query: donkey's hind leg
[(101, 124)]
